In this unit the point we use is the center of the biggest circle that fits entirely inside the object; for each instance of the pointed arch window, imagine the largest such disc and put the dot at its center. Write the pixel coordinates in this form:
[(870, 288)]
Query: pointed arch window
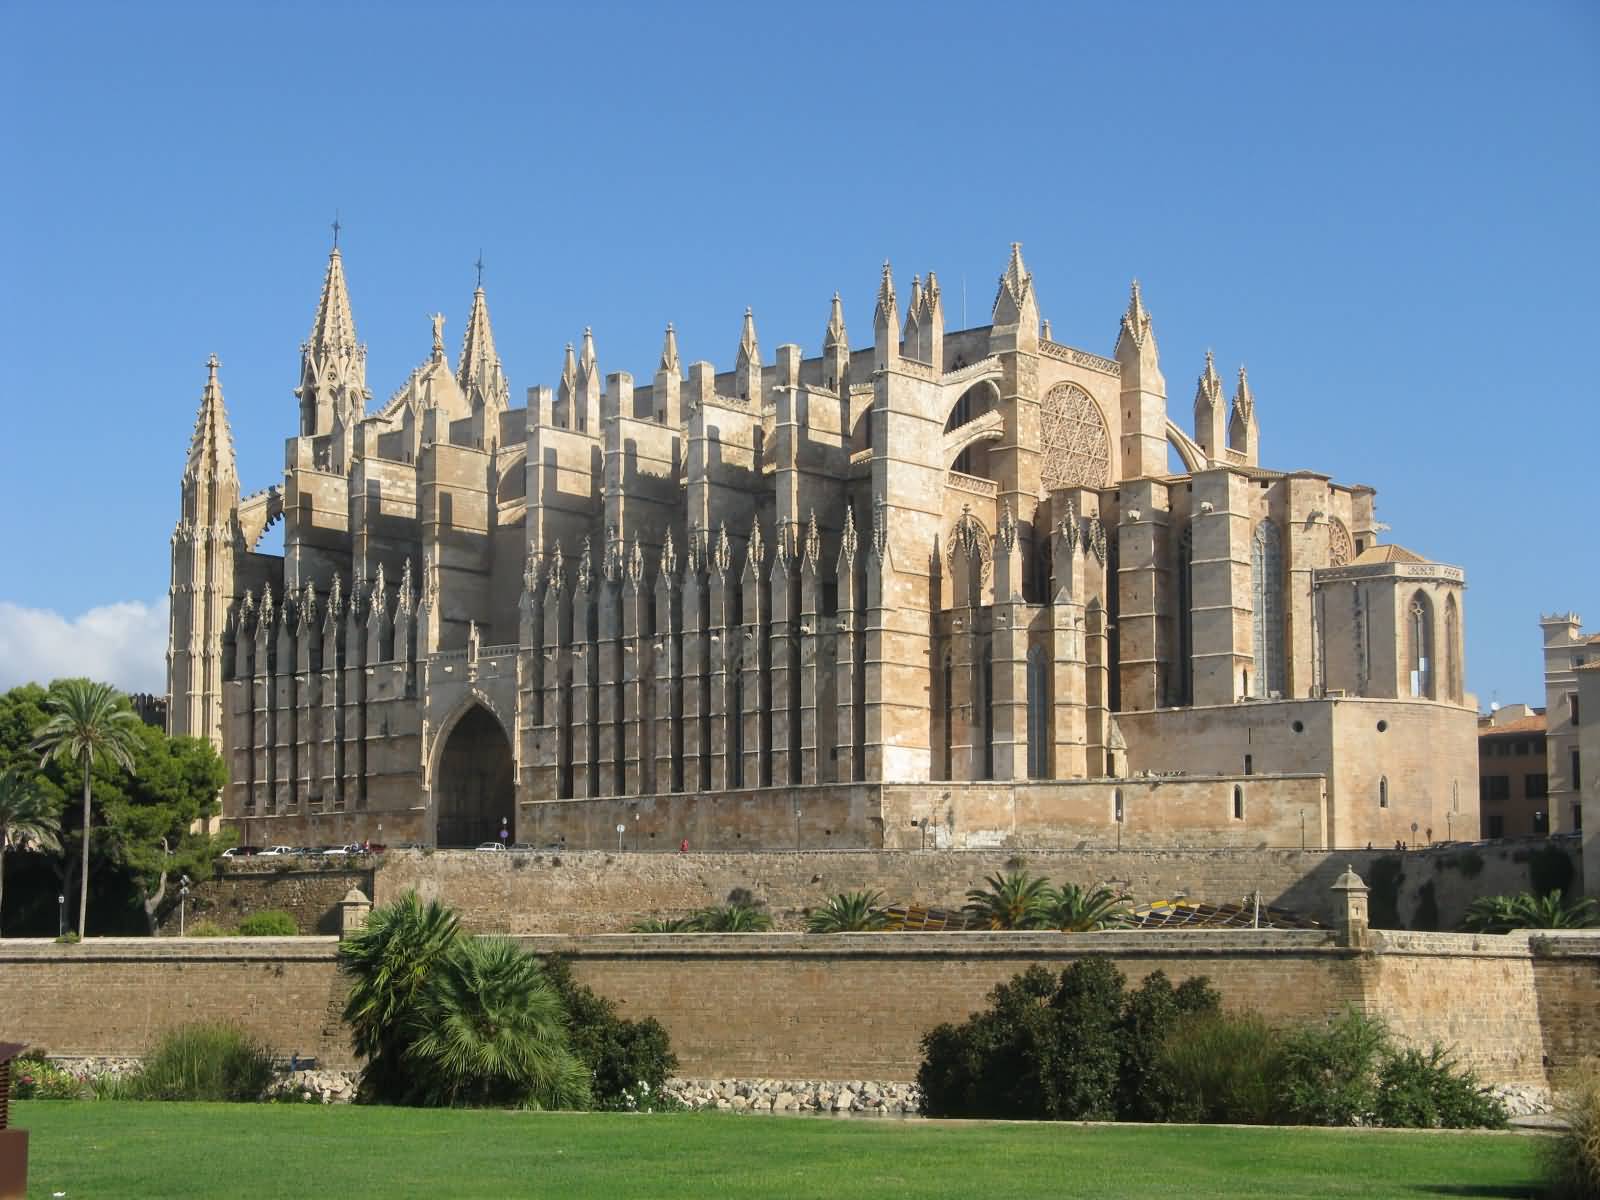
[(1266, 594), (1419, 626), (1182, 692), (1452, 649), (1038, 719)]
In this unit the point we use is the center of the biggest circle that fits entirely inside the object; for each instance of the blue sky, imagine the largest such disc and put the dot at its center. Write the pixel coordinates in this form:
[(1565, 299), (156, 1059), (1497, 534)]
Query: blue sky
[(1387, 211)]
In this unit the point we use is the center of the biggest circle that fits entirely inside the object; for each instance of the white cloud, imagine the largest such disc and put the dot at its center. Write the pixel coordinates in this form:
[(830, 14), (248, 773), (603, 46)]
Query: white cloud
[(124, 644)]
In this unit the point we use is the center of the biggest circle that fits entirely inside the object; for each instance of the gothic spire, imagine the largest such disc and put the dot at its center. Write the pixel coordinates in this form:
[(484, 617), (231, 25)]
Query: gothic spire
[(749, 350), (569, 373), (1209, 392), (587, 362), (885, 312), (333, 330), (1244, 404), (1012, 303), (669, 353), (835, 335), (1136, 321), (211, 447), (479, 364)]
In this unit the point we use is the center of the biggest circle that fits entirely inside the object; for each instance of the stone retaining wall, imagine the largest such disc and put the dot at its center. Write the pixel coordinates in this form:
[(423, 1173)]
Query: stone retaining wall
[(847, 1006)]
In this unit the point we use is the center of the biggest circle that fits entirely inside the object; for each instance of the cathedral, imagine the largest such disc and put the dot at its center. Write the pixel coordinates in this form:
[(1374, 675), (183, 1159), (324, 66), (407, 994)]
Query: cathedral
[(947, 588)]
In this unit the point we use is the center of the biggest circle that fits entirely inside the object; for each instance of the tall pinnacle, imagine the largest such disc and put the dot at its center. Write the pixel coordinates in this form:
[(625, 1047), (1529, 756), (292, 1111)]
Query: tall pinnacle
[(835, 335), (669, 353), (211, 446), (749, 351), (1243, 402), (479, 362), (333, 330)]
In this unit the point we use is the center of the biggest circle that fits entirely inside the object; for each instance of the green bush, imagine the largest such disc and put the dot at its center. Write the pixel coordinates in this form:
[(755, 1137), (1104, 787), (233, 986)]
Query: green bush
[(272, 922), (1145, 1090), (38, 1079), (1330, 1070), (1072, 1048), (1427, 1090), (628, 1061), (206, 1060), (1572, 1161), (1223, 1067), (204, 929), (730, 918)]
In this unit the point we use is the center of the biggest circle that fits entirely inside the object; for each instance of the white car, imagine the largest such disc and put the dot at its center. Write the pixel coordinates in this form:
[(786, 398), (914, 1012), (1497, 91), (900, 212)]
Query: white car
[(492, 847), (277, 851)]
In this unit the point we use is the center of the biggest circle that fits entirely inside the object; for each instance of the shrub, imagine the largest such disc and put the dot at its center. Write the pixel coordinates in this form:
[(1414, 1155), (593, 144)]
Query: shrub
[(271, 922), (206, 1060), (1144, 1090), (1329, 1071), (68, 939), (1501, 914), (1075, 909), (1572, 1161), (1427, 1090), (1044, 1049), (1223, 1067), (205, 929), (663, 925), (849, 912), (628, 1061), (38, 1079)]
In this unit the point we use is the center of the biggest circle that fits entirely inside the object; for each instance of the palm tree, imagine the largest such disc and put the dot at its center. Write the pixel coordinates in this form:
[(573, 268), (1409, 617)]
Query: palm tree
[(849, 912), (90, 723), (664, 925), (391, 959), (1081, 910), (487, 1029), (1501, 914), (731, 918), (1015, 900), (26, 822)]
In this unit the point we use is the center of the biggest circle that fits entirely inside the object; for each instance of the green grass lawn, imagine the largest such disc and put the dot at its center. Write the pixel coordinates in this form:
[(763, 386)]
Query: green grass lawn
[(92, 1149)]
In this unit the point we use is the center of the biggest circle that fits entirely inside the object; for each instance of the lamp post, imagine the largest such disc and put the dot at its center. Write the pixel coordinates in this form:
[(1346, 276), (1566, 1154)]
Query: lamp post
[(621, 829), (797, 827), (505, 831), (183, 902), (61, 916), (923, 825)]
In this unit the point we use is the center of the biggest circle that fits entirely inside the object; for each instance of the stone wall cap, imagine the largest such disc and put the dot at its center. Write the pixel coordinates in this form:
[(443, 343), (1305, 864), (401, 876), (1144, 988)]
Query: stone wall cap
[(1349, 881)]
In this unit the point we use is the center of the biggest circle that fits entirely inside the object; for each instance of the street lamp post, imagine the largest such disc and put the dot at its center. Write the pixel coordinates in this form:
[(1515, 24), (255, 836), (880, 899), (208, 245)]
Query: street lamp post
[(621, 829), (505, 831), (61, 916), (183, 902)]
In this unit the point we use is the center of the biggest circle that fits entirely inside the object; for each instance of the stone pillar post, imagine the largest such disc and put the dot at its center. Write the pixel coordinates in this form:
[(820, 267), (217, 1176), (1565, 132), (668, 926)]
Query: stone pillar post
[(353, 912), (1353, 929)]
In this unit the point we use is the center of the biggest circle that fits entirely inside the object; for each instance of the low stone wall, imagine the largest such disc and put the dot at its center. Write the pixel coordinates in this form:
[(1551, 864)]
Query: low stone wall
[(309, 893), (598, 892), (836, 1007)]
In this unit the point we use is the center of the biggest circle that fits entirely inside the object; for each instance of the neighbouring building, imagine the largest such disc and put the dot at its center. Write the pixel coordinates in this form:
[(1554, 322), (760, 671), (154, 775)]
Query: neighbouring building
[(944, 587), (1513, 776), (1572, 712)]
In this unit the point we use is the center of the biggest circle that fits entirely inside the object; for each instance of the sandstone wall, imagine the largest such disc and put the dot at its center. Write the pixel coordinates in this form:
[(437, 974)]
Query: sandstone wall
[(843, 1006), (596, 892), (311, 896)]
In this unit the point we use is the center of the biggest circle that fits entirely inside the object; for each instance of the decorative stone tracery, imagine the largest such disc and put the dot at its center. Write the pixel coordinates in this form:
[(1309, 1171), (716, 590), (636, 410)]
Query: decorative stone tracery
[(1075, 448)]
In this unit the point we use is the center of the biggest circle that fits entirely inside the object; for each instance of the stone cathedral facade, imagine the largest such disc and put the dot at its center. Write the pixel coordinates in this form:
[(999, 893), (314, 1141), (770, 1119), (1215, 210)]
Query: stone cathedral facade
[(971, 587)]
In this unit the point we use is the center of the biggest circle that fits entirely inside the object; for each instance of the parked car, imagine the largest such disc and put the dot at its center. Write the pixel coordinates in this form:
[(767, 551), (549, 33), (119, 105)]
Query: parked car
[(241, 852), (277, 851), (339, 851), (492, 847), (529, 846), (305, 851)]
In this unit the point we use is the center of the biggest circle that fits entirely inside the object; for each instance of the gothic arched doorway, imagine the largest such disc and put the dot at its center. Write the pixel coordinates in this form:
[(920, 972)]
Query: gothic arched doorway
[(474, 787)]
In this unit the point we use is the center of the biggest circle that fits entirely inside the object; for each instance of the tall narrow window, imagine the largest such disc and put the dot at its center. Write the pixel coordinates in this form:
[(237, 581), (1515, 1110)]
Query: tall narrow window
[(1249, 764), (1383, 792), (1452, 649), (1266, 586), (1038, 724), (1183, 692), (1238, 803), (1420, 648), (1116, 804), (1572, 706)]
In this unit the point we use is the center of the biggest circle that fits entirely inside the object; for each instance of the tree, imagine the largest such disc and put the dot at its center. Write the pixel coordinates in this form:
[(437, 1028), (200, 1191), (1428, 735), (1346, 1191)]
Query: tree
[(391, 959), (1080, 910), (27, 819), (1015, 900), (1501, 914), (89, 722), (486, 1029), (849, 912)]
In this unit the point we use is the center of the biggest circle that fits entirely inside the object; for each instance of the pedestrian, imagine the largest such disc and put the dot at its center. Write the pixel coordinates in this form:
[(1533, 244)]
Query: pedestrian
[(683, 846)]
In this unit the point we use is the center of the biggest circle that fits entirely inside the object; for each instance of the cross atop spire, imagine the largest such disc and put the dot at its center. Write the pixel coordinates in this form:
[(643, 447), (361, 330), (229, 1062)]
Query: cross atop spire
[(336, 228), (479, 266)]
